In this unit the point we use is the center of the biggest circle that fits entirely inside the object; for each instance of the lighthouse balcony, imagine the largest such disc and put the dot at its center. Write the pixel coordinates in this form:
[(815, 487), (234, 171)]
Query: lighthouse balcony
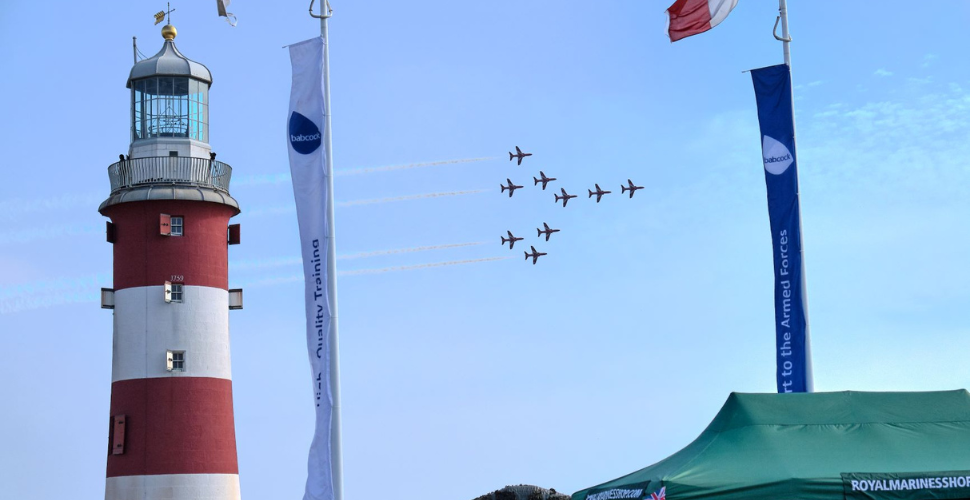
[(169, 178), (169, 170)]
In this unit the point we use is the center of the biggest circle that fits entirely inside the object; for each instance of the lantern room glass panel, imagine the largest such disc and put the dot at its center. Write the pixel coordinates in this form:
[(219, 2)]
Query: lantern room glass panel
[(166, 106)]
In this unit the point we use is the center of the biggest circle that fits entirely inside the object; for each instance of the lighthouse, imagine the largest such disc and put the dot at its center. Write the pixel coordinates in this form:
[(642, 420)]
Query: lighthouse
[(171, 431)]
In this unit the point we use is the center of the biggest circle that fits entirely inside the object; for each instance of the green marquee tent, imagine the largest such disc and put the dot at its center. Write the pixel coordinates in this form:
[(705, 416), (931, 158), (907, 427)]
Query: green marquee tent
[(816, 446)]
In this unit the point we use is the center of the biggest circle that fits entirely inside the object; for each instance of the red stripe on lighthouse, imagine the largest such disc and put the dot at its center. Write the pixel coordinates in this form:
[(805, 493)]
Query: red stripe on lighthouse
[(144, 257), (180, 425)]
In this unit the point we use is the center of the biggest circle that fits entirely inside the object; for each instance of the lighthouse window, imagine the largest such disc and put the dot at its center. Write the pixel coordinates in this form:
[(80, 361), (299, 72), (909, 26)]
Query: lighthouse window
[(176, 361), (176, 225), (176, 292), (166, 106)]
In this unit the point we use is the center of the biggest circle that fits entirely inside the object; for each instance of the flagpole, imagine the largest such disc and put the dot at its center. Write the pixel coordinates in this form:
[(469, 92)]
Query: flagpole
[(786, 41), (336, 461)]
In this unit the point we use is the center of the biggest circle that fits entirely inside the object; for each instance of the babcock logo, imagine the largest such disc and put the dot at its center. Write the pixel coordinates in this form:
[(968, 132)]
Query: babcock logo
[(776, 155), (304, 135)]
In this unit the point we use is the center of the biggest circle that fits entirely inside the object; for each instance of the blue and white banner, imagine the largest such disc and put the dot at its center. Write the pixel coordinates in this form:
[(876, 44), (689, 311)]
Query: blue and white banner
[(308, 167), (772, 87)]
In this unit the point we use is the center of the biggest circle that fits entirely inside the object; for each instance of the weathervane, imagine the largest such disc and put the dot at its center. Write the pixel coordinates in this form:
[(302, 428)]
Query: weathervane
[(160, 15)]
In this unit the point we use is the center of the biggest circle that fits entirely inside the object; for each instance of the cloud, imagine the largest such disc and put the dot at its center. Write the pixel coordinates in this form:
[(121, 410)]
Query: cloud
[(929, 59), (915, 138), (816, 83), (883, 72)]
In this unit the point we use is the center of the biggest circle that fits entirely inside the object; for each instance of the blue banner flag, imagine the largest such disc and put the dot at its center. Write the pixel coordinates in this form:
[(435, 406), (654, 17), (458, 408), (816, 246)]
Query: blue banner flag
[(772, 88)]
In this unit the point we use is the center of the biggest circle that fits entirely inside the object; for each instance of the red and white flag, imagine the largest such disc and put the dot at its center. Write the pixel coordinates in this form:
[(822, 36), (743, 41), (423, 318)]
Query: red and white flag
[(690, 17)]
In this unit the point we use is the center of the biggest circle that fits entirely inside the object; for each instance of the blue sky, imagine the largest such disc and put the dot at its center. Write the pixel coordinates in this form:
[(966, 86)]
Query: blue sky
[(610, 354)]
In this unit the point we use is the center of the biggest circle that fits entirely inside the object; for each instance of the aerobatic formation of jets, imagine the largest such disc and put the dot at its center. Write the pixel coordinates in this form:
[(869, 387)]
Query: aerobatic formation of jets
[(564, 197), (535, 254)]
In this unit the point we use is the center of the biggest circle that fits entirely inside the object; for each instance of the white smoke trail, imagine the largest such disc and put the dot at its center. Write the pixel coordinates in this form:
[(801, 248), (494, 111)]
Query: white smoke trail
[(276, 210), (362, 255), (390, 168), (290, 208), (251, 264), (405, 198), (14, 209), (245, 265), (47, 232), (261, 179), (26, 303), (357, 272), (297, 278), (284, 178), (47, 293)]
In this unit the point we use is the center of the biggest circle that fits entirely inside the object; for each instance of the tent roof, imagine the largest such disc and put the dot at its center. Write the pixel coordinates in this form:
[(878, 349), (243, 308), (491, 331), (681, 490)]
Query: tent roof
[(798, 445)]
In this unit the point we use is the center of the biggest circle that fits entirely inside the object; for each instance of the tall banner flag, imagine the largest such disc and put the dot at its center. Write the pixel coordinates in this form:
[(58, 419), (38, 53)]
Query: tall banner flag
[(772, 88), (308, 168), (690, 17)]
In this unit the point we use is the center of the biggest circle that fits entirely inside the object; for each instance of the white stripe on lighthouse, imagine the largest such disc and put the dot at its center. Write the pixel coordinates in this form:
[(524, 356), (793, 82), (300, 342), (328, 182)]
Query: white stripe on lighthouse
[(146, 328), (169, 486)]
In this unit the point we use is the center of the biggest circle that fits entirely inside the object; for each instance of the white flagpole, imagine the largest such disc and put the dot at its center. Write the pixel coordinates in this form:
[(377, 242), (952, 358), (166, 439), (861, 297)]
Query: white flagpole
[(786, 41), (335, 448)]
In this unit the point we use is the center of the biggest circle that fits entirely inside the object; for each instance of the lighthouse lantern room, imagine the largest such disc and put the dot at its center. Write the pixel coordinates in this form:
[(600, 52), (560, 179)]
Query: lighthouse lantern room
[(171, 430)]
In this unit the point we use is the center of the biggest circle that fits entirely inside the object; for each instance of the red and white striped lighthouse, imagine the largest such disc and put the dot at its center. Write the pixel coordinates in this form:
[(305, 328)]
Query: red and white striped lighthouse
[(171, 434)]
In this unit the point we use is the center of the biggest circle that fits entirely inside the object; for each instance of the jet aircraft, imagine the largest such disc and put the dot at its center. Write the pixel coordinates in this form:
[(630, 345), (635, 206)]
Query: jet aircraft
[(548, 232), (535, 255), (599, 193), (510, 240), (511, 187), (518, 154), (565, 196), (631, 188), (543, 179)]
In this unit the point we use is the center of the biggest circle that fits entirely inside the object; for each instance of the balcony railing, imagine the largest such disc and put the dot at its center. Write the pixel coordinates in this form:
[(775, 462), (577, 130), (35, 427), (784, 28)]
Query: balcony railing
[(167, 170)]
